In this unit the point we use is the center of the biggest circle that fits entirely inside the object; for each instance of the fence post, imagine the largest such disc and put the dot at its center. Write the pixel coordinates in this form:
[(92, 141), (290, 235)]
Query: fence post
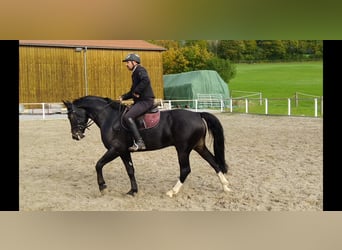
[(321, 105), (231, 105), (315, 107), (43, 108), (196, 105), (288, 106), (246, 105), (266, 106)]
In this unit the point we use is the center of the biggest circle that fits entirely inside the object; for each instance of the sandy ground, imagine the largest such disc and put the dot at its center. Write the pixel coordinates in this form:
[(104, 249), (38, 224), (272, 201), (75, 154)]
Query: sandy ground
[(275, 164)]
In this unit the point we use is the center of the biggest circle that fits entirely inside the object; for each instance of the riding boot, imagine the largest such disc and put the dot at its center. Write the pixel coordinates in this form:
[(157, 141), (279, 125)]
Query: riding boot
[(138, 143)]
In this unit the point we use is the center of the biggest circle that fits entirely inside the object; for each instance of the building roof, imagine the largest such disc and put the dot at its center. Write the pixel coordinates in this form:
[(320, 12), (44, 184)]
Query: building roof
[(104, 44)]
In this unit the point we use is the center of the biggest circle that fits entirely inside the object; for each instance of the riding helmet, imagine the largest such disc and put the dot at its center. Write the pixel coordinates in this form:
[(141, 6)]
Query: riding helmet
[(132, 57)]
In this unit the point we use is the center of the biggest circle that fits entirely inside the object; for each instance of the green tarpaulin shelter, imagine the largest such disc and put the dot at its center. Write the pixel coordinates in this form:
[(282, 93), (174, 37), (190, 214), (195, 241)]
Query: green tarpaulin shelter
[(205, 86)]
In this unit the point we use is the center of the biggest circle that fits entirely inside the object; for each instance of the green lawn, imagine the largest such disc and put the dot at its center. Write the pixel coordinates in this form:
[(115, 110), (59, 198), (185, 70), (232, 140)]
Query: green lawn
[(277, 82)]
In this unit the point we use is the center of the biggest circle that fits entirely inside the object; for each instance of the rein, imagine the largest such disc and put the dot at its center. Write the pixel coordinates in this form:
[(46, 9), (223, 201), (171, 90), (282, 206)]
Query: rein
[(81, 126), (120, 106), (91, 122)]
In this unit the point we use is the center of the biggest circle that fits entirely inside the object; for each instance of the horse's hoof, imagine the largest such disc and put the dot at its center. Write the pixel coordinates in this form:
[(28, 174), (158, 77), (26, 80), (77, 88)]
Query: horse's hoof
[(227, 189), (170, 193), (104, 191), (131, 193)]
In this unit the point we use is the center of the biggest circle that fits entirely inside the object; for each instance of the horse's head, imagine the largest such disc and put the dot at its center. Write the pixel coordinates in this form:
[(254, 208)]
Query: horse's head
[(78, 120)]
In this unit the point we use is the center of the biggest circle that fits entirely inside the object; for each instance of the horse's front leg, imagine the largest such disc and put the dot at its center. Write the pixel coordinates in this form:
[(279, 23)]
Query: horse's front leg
[(127, 160), (110, 155)]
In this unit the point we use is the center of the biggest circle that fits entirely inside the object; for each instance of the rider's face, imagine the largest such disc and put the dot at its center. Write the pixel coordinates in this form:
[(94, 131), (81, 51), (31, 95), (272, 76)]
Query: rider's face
[(130, 65)]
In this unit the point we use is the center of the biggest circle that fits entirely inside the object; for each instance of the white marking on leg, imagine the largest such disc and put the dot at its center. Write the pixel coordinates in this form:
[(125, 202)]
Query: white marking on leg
[(224, 182), (175, 189)]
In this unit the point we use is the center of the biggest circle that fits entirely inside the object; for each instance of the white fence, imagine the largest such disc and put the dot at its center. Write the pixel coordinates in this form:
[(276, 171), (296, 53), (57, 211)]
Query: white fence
[(288, 106), (42, 109), (245, 94)]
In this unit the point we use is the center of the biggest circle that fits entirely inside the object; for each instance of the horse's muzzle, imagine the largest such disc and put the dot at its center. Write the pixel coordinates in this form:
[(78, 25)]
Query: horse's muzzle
[(77, 136)]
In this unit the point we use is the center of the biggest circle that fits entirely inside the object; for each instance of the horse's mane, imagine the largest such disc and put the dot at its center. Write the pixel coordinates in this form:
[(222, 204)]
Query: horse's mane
[(90, 99)]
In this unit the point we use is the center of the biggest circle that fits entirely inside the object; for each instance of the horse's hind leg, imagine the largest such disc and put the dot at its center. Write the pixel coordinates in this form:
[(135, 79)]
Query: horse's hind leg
[(184, 163), (209, 157)]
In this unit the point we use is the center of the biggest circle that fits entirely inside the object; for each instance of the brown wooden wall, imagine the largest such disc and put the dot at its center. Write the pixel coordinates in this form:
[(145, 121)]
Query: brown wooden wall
[(53, 74)]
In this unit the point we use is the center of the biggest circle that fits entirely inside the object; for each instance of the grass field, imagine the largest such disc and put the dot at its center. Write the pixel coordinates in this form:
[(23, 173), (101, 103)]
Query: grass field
[(277, 82)]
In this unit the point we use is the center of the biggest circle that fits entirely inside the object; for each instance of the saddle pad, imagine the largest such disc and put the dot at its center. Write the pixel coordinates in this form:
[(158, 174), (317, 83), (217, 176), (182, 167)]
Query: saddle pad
[(151, 119)]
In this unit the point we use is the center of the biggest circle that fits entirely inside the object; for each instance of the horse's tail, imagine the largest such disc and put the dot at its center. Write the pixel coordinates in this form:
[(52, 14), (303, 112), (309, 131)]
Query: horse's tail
[(216, 130)]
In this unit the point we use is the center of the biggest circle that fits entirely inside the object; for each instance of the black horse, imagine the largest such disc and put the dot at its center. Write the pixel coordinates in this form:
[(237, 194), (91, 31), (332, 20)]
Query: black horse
[(185, 130)]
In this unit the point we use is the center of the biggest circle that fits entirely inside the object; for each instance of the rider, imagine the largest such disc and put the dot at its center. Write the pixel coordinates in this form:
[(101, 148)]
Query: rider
[(142, 94)]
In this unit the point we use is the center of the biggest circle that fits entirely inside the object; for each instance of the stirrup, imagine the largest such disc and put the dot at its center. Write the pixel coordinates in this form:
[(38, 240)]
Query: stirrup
[(136, 147)]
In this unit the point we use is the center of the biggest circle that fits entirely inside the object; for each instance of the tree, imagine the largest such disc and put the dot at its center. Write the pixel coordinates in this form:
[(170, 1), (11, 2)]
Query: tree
[(231, 49), (191, 55), (250, 53), (197, 56), (272, 49), (224, 68), (291, 47), (174, 61)]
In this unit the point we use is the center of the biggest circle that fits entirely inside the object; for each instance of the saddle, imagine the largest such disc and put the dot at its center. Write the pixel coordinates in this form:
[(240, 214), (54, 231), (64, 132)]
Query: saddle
[(148, 120)]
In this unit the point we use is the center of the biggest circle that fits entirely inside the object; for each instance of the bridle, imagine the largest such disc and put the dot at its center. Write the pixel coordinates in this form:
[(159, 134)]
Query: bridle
[(79, 124), (90, 122)]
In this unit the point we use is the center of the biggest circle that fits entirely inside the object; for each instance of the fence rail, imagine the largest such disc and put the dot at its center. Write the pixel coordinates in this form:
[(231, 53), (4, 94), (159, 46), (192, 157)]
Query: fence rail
[(311, 107), (270, 106), (41, 109)]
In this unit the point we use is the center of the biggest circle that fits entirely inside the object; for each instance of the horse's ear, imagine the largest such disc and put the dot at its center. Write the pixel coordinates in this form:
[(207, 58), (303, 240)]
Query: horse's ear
[(66, 103)]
